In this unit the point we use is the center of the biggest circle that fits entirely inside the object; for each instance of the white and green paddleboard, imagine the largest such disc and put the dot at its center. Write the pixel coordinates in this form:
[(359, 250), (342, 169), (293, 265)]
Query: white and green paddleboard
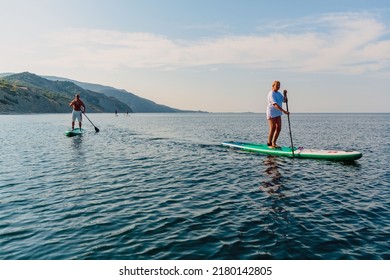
[(298, 152), (74, 132)]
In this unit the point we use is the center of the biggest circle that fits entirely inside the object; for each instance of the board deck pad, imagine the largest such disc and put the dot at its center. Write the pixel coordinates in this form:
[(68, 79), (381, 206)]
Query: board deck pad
[(298, 152), (74, 132)]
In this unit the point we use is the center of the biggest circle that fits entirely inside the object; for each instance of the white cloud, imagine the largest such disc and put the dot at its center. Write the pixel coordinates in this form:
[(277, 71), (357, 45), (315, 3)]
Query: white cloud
[(345, 43)]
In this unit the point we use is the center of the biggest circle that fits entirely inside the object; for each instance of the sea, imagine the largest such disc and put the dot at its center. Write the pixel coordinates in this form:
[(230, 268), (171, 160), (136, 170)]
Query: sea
[(161, 187)]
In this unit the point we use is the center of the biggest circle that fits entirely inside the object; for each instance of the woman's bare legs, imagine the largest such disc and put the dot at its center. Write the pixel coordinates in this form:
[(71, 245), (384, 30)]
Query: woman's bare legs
[(275, 126)]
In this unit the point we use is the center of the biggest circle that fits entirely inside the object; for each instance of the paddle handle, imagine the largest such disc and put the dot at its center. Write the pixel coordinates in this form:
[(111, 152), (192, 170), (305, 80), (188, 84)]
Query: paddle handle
[(289, 128)]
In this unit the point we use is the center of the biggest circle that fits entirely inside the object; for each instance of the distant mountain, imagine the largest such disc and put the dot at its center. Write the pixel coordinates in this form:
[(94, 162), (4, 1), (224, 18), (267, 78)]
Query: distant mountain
[(137, 104), (5, 74), (29, 93)]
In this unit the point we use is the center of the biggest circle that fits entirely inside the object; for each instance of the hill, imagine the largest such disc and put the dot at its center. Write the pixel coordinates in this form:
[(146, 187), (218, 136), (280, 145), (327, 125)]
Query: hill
[(29, 93), (137, 104)]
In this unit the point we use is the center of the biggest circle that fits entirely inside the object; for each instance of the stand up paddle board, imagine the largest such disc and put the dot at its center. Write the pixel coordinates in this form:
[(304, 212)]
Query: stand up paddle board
[(74, 132), (298, 152)]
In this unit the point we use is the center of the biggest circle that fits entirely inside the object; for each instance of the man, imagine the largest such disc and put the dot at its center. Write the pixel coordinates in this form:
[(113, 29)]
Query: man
[(78, 108), (274, 113)]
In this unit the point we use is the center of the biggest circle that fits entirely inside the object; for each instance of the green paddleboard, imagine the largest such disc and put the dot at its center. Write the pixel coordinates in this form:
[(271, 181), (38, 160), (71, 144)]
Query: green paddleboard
[(298, 152), (74, 132)]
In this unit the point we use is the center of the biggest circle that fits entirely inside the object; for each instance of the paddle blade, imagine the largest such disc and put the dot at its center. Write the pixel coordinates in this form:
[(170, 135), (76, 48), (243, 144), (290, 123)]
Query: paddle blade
[(97, 129)]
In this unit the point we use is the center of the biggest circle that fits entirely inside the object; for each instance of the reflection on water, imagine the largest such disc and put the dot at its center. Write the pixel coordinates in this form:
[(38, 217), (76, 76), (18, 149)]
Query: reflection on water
[(272, 184), (76, 142), (77, 149)]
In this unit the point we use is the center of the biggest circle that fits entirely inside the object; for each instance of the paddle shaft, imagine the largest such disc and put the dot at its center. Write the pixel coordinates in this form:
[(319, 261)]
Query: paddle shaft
[(96, 129), (289, 128)]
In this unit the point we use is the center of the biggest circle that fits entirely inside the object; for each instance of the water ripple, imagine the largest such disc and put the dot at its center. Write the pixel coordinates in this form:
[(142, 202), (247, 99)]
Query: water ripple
[(162, 187)]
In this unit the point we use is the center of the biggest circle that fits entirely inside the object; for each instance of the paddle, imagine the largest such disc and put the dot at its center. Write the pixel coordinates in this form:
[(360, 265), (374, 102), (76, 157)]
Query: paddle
[(96, 129), (289, 125)]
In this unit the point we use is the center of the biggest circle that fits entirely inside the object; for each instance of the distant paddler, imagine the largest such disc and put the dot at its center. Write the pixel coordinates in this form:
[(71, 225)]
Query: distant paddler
[(78, 108)]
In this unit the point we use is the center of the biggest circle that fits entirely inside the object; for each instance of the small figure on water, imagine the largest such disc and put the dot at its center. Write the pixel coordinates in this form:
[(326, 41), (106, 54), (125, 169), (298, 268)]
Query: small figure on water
[(274, 113), (78, 108)]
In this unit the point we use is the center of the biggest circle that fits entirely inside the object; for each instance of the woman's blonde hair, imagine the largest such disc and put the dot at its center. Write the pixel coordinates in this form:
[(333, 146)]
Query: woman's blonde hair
[(275, 82)]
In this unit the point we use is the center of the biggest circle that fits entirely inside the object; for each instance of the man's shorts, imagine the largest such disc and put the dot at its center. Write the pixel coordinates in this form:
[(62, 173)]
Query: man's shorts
[(76, 115)]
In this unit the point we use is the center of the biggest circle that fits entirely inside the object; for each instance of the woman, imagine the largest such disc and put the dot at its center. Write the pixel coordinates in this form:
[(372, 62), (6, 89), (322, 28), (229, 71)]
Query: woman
[(274, 113)]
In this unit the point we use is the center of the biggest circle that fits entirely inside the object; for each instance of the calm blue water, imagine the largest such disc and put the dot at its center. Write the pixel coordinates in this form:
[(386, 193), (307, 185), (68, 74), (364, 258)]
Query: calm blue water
[(160, 186)]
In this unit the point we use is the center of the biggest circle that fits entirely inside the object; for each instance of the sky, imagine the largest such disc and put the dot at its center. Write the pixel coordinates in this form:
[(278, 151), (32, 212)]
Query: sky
[(209, 55)]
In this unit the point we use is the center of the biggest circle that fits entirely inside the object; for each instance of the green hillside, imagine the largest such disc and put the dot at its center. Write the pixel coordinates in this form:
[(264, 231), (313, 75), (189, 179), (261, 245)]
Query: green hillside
[(29, 93)]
